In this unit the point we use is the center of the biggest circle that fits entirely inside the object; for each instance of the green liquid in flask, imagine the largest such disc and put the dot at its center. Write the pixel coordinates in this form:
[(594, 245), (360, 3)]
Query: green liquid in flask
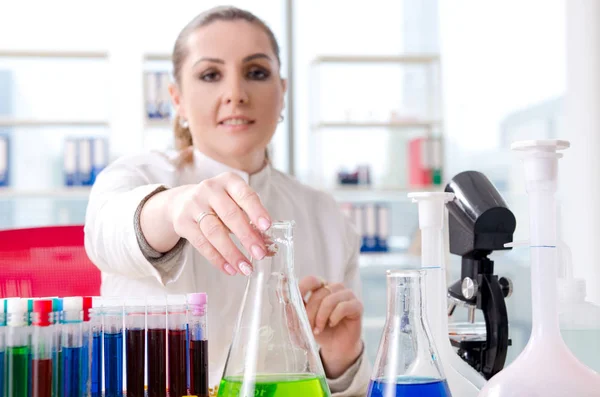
[(288, 385)]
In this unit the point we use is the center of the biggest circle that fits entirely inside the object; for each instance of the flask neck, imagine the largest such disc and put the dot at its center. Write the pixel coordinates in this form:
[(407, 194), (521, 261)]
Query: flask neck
[(280, 251), (544, 263), (404, 297)]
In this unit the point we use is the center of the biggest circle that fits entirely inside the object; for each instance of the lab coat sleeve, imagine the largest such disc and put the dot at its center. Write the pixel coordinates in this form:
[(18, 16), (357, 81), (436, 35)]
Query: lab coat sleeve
[(355, 381), (110, 233)]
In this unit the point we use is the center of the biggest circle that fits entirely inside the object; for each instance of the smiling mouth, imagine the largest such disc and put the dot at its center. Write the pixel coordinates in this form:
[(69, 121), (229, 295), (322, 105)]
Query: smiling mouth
[(236, 122)]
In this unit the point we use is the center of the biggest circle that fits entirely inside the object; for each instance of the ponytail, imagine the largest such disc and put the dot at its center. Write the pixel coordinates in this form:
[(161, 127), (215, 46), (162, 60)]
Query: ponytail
[(183, 144)]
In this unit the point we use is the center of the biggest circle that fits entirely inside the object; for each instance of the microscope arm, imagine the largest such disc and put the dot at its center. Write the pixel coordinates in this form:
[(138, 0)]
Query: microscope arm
[(493, 306)]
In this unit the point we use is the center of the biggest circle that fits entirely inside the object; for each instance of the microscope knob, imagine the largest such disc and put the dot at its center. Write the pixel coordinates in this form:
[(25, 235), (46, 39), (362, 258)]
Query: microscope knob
[(469, 288), (506, 285)]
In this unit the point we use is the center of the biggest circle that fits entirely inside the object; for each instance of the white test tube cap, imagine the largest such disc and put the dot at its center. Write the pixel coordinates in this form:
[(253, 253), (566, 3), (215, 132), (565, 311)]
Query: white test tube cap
[(431, 208), (16, 310), (16, 305), (540, 159), (73, 304)]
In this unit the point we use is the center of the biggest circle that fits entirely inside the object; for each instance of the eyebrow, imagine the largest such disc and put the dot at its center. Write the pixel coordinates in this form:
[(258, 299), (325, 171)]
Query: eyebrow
[(249, 58)]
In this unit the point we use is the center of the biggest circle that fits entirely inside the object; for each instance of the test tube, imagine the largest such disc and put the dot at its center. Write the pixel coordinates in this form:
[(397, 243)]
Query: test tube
[(177, 321), (86, 349), (72, 345), (198, 345), (2, 342), (42, 347), (17, 349), (96, 356), (135, 345), (156, 319), (113, 347), (57, 308)]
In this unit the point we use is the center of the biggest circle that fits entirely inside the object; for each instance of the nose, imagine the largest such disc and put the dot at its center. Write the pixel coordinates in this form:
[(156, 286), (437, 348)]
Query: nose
[(236, 93)]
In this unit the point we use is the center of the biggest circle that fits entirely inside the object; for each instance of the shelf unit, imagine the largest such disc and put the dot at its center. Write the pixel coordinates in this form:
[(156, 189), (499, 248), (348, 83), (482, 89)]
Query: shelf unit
[(429, 126), (72, 121), (19, 122), (59, 54), (426, 124), (53, 54), (66, 192)]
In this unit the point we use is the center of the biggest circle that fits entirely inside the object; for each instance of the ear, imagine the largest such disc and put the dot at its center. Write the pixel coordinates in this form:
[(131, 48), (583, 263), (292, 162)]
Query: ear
[(176, 99)]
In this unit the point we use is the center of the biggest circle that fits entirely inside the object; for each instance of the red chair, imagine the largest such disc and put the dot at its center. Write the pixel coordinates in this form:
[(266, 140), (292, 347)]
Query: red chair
[(46, 261)]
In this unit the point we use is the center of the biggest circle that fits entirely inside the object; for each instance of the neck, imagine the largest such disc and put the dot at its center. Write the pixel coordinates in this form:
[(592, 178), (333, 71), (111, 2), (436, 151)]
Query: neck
[(250, 163)]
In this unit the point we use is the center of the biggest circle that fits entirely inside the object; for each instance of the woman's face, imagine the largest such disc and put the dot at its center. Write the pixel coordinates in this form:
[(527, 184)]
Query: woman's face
[(230, 91)]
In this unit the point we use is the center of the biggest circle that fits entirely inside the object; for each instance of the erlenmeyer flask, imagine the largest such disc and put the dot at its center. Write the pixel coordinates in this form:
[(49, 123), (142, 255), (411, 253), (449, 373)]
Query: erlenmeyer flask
[(273, 352), (407, 362)]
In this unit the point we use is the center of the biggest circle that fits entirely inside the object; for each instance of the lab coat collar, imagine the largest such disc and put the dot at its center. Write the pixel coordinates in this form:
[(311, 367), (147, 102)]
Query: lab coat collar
[(207, 167)]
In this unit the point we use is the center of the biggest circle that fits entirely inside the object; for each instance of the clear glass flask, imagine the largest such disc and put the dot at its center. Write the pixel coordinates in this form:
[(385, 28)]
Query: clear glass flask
[(273, 352), (407, 362)]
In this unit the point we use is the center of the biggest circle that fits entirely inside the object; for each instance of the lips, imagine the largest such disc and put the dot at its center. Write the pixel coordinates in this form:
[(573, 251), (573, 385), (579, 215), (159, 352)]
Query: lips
[(236, 121)]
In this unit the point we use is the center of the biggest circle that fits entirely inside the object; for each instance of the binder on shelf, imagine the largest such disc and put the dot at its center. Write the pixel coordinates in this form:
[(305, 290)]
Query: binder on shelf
[(419, 162), (359, 224), (157, 99), (382, 227), (436, 161), (84, 162), (164, 99), (99, 156), (370, 228), (4, 160), (151, 95), (70, 162)]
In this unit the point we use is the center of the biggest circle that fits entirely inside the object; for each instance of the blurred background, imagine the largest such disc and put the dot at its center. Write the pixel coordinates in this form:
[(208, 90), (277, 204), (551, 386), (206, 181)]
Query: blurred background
[(386, 97)]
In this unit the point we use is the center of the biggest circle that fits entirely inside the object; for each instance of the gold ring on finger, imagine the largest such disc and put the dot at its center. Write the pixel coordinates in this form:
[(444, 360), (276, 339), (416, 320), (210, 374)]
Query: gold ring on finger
[(203, 215)]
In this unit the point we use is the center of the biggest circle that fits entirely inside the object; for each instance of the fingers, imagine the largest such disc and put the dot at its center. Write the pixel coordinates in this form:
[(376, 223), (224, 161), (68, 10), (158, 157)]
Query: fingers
[(247, 199), (234, 218), (309, 284), (194, 235), (316, 299), (352, 309), (218, 236), (328, 305)]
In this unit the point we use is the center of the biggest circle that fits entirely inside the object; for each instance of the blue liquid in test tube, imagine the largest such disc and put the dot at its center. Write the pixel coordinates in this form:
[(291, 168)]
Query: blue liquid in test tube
[(113, 347), (113, 364)]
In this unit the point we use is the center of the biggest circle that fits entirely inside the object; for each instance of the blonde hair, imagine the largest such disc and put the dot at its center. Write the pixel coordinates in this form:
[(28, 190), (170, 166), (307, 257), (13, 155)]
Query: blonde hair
[(182, 135)]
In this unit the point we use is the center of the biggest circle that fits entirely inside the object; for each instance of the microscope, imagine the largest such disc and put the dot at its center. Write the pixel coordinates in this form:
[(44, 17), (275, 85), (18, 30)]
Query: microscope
[(480, 223)]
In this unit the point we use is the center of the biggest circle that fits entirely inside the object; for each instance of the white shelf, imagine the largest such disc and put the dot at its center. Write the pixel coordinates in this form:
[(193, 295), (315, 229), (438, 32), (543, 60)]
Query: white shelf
[(75, 192), (416, 59), (375, 124), (53, 54), (359, 193), (10, 122), (158, 123), (157, 57)]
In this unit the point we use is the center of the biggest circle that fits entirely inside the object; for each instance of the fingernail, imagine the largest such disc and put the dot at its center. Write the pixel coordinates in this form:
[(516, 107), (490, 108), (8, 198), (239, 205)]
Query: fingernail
[(264, 224), (229, 269), (257, 252), (316, 331), (245, 268)]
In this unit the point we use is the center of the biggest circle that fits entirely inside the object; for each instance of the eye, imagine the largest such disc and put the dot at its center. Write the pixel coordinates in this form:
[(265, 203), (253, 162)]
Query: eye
[(210, 76), (256, 73)]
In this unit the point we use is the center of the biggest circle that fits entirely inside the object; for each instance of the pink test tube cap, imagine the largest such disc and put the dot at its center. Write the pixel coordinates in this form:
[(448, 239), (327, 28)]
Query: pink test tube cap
[(197, 302)]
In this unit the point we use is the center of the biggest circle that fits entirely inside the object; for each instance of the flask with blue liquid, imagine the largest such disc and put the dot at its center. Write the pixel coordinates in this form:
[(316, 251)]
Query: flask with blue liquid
[(407, 363)]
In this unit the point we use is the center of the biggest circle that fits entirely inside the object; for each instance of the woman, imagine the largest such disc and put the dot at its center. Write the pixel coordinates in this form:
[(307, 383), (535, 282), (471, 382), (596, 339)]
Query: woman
[(161, 223)]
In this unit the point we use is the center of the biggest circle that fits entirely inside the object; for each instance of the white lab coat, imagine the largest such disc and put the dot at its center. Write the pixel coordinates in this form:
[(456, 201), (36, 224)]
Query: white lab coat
[(325, 245)]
